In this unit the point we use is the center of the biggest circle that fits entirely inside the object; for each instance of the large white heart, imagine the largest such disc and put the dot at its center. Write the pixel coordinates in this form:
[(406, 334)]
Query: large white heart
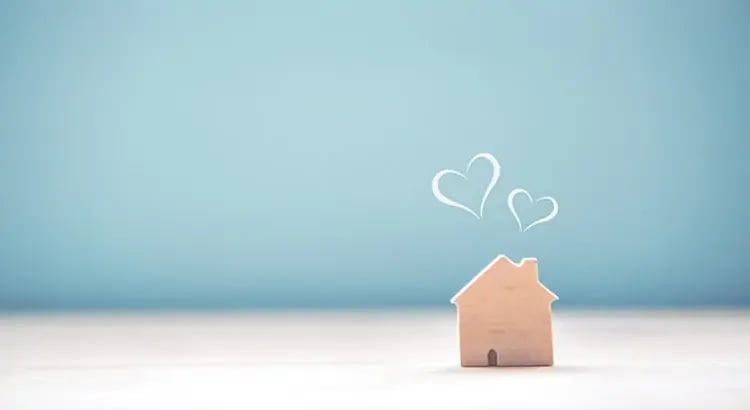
[(493, 181), (549, 217)]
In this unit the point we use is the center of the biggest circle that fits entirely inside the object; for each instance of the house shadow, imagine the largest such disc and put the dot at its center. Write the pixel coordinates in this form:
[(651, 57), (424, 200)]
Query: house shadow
[(548, 370)]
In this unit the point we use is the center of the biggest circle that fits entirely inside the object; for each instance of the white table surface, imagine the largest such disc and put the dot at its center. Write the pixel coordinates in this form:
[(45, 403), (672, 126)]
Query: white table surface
[(366, 360)]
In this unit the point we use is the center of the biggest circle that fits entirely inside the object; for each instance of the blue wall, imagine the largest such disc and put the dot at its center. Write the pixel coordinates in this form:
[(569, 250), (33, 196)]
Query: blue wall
[(176, 154)]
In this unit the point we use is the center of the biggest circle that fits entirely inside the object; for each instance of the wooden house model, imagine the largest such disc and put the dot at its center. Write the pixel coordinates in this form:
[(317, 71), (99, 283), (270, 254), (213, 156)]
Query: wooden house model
[(504, 316)]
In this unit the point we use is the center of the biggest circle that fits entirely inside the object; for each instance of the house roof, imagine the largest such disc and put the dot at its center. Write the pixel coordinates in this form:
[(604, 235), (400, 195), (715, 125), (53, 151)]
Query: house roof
[(491, 264)]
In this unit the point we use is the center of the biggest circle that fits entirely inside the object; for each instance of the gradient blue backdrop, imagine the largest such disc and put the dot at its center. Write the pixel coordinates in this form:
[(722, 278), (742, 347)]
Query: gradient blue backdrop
[(177, 154)]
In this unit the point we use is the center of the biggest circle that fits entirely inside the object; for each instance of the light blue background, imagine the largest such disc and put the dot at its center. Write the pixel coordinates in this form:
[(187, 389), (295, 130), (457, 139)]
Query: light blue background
[(176, 154)]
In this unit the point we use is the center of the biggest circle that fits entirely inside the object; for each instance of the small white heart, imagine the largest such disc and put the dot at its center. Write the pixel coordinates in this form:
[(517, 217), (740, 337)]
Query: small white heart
[(493, 181), (511, 197)]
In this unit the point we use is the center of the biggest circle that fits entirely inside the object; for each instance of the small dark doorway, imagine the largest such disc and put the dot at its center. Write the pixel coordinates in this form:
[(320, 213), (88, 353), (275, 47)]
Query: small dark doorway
[(492, 358)]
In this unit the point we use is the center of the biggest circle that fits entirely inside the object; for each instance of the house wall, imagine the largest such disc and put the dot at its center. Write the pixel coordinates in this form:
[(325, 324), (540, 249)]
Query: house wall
[(519, 340)]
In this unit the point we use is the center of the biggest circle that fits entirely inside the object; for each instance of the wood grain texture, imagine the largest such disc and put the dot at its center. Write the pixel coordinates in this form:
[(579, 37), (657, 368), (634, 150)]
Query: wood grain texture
[(504, 316)]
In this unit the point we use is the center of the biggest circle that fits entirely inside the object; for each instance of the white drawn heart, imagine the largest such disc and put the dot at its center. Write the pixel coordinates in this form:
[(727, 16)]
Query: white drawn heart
[(493, 181), (511, 197)]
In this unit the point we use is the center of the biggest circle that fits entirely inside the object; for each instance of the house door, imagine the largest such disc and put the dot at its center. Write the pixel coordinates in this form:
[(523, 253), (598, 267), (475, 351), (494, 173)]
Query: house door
[(492, 358)]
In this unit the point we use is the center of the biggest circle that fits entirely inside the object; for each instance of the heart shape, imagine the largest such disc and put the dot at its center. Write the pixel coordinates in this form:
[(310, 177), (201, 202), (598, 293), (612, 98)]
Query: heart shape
[(493, 181), (512, 196)]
